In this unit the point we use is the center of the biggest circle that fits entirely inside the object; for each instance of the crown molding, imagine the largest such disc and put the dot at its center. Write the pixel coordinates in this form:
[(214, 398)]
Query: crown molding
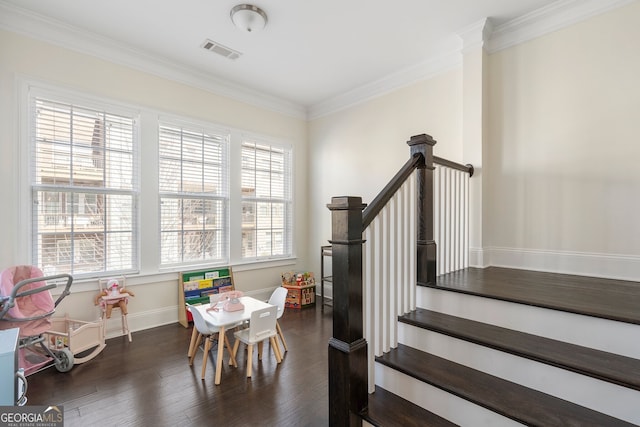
[(425, 70), (555, 16), (476, 35), (482, 34), (29, 24)]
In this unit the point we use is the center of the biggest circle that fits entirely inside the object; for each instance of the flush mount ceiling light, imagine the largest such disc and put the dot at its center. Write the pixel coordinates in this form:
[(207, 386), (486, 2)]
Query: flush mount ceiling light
[(248, 17)]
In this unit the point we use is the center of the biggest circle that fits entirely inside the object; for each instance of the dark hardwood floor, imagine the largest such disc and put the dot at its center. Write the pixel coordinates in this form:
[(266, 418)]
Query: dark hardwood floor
[(610, 299), (149, 382)]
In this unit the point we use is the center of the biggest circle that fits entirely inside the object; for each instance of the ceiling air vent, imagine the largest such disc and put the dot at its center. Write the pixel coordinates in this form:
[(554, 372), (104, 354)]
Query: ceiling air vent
[(220, 49)]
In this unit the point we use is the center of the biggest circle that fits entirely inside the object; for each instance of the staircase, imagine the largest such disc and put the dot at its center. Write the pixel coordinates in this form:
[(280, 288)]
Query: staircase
[(419, 338), (479, 355)]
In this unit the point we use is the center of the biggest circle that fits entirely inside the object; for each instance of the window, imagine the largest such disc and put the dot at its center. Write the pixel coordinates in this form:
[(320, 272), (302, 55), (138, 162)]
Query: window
[(266, 201), (193, 185), (83, 187), (88, 167)]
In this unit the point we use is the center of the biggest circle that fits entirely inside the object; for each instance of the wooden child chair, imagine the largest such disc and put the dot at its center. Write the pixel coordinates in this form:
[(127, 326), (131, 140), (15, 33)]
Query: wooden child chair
[(114, 295)]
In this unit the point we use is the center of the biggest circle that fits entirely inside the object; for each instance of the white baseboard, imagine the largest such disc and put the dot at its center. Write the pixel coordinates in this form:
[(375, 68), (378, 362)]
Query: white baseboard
[(477, 258), (141, 321), (620, 267)]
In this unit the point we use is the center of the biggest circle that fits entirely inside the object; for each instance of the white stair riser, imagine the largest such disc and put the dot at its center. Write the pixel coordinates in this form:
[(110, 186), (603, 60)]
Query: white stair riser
[(610, 399), (433, 399), (602, 334)]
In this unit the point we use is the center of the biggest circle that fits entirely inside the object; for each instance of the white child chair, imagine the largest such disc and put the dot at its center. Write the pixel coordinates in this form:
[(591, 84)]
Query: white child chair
[(278, 298), (209, 333), (262, 326)]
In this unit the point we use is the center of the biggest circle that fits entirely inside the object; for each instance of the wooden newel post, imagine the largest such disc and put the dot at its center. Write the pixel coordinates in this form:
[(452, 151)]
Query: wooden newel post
[(347, 348), (426, 257)]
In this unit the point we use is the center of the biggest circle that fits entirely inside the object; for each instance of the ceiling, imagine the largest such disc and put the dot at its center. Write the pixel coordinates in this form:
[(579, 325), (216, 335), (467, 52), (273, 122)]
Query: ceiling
[(310, 51)]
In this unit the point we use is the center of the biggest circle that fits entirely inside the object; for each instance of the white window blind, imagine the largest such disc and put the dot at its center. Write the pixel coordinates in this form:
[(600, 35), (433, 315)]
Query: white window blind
[(83, 188), (266, 201), (193, 185)]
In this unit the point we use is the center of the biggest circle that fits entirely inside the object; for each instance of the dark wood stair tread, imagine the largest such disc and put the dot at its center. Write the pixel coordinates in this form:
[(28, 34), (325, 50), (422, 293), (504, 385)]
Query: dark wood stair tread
[(591, 296), (610, 367), (504, 397), (388, 409)]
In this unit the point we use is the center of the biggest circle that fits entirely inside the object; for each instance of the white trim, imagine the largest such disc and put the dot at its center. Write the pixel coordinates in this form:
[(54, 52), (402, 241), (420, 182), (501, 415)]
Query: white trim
[(610, 266), (428, 69), (62, 93), (141, 321), (265, 263), (29, 24), (151, 271), (477, 258), (31, 90), (475, 35), (22, 152), (557, 15), (553, 17)]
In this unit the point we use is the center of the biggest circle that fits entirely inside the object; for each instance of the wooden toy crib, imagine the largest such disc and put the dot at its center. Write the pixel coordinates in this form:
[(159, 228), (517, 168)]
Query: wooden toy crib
[(78, 336)]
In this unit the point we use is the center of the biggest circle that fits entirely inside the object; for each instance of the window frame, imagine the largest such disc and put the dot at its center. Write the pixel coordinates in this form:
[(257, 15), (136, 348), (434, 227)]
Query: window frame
[(287, 200), (146, 182), (224, 196), (32, 92)]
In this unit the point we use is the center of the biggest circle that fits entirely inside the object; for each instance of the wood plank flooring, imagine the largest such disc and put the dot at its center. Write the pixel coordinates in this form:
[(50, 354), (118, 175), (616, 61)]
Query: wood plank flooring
[(149, 382), (610, 299)]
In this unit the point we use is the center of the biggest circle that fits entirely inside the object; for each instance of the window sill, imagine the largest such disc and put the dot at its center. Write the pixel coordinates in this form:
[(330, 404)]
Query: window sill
[(267, 263), (91, 285)]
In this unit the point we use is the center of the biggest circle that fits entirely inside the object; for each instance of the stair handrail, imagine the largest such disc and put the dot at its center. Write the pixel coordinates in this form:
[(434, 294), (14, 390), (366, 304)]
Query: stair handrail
[(379, 202), (348, 364), (374, 208), (453, 165)]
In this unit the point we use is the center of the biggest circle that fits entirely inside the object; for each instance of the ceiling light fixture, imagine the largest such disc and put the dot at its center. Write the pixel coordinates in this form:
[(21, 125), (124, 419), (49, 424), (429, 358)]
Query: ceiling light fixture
[(248, 17)]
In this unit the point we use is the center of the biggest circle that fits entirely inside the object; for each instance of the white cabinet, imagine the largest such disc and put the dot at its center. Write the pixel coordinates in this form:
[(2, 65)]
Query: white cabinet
[(9, 366)]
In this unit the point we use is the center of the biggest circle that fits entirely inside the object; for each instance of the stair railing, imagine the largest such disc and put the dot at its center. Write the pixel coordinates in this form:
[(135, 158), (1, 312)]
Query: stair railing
[(380, 252), (451, 214)]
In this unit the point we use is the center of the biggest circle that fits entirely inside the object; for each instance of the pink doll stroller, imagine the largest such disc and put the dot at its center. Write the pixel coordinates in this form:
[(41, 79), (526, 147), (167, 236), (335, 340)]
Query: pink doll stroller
[(27, 304)]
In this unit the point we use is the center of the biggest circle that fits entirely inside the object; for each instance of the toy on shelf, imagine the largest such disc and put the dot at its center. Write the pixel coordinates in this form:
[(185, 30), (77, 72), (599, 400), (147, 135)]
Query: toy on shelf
[(113, 294), (301, 289), (290, 278)]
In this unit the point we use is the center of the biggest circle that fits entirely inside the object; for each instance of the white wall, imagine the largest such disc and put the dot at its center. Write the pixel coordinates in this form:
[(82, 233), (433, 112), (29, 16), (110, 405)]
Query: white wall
[(355, 152), (563, 150), (559, 152), (156, 293), (559, 148)]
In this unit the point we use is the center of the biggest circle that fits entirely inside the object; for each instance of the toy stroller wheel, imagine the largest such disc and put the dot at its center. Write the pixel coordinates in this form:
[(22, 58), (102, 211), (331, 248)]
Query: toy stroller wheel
[(64, 361)]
